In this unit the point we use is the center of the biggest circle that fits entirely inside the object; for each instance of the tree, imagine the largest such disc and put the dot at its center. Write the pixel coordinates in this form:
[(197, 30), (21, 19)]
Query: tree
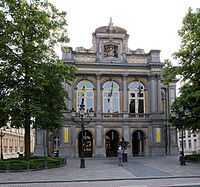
[(188, 68), (32, 75)]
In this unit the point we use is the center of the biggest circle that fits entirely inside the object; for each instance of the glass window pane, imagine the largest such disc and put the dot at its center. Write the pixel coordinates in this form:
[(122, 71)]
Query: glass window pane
[(79, 94), (89, 94), (89, 103), (106, 105), (115, 105), (132, 106), (106, 94), (115, 94), (132, 94), (140, 94), (108, 85), (135, 85), (141, 106), (88, 84)]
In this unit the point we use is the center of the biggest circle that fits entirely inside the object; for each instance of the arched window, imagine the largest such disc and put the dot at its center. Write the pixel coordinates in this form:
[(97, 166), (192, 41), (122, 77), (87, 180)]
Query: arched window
[(111, 97), (136, 97), (87, 94)]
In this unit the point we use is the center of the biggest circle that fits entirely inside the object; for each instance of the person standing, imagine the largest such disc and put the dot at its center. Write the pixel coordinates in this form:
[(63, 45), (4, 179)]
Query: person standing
[(119, 154)]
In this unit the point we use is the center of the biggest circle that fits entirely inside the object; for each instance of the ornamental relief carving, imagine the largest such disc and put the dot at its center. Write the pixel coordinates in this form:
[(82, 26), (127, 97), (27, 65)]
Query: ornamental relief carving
[(110, 51)]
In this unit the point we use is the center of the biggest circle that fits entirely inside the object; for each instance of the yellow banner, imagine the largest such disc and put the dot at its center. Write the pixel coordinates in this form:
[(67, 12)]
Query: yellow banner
[(66, 135), (157, 134)]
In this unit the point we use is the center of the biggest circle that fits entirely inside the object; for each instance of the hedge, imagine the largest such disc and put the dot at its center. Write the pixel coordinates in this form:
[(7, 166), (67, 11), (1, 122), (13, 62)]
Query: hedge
[(34, 163)]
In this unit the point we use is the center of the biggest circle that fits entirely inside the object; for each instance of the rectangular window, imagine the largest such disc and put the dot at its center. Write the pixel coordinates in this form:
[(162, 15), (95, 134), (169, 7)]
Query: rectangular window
[(140, 94), (21, 149), (189, 134), (106, 105), (132, 94), (189, 144), (132, 106), (141, 106), (89, 104), (115, 105), (184, 144)]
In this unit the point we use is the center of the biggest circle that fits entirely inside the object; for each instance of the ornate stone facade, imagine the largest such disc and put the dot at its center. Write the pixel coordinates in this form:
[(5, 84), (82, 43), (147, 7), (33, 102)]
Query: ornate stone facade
[(126, 91)]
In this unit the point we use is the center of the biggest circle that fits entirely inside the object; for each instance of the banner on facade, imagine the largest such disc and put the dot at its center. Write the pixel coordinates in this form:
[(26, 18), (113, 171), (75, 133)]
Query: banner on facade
[(66, 135), (158, 135)]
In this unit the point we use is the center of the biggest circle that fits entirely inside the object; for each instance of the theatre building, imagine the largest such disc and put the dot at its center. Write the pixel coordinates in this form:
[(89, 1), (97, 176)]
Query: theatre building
[(125, 90)]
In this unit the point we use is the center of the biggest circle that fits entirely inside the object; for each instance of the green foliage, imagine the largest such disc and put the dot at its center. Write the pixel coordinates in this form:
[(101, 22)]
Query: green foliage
[(169, 72), (188, 68), (34, 163), (194, 157), (31, 74)]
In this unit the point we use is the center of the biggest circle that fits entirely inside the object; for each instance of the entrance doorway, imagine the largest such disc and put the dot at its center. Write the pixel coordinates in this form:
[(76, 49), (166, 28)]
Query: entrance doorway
[(111, 143), (87, 143), (138, 143)]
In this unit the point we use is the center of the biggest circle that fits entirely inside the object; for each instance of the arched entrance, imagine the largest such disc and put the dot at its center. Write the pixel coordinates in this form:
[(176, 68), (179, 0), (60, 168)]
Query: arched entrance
[(138, 143), (111, 143), (87, 143)]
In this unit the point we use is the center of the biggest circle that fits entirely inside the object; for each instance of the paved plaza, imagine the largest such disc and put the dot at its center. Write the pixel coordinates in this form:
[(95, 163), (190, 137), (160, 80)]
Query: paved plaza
[(139, 171)]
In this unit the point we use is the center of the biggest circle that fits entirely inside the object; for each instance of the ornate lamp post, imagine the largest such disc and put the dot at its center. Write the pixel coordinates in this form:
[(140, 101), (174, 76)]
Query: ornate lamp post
[(124, 145), (82, 123), (180, 116), (2, 135)]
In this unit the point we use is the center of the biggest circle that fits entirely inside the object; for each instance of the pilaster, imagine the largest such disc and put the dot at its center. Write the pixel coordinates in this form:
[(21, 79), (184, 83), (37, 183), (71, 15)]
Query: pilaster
[(99, 148), (98, 109), (159, 101), (125, 111), (70, 101)]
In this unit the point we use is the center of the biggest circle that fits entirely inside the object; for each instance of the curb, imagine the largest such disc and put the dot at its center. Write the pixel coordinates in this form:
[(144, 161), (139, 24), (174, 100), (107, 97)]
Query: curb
[(115, 179)]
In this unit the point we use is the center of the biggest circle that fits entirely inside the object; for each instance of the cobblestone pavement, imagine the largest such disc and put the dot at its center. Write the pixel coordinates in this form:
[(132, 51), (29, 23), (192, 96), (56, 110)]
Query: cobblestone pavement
[(140, 171)]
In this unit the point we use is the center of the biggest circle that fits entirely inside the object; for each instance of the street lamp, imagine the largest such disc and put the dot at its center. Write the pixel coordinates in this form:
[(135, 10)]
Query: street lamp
[(2, 135), (82, 123), (124, 145), (180, 117)]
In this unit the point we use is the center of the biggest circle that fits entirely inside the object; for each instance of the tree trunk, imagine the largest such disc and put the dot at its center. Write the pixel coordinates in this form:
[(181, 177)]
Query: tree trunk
[(27, 140)]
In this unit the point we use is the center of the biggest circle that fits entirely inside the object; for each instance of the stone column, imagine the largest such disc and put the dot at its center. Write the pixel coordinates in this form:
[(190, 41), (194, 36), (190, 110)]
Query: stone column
[(98, 97), (126, 135), (124, 49), (159, 98), (125, 111), (152, 101)]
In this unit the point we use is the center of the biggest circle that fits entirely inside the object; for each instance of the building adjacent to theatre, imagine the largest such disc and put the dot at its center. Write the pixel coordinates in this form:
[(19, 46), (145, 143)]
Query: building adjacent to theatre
[(13, 141), (125, 89)]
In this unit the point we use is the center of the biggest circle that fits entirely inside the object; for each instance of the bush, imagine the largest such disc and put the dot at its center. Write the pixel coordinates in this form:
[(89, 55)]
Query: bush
[(194, 157), (33, 163)]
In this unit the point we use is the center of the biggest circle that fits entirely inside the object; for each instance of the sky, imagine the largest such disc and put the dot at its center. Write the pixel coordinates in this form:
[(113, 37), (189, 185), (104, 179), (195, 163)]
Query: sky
[(151, 24)]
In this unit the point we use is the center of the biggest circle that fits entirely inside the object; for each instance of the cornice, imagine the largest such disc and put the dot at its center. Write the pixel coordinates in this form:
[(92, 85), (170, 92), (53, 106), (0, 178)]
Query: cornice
[(111, 64)]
